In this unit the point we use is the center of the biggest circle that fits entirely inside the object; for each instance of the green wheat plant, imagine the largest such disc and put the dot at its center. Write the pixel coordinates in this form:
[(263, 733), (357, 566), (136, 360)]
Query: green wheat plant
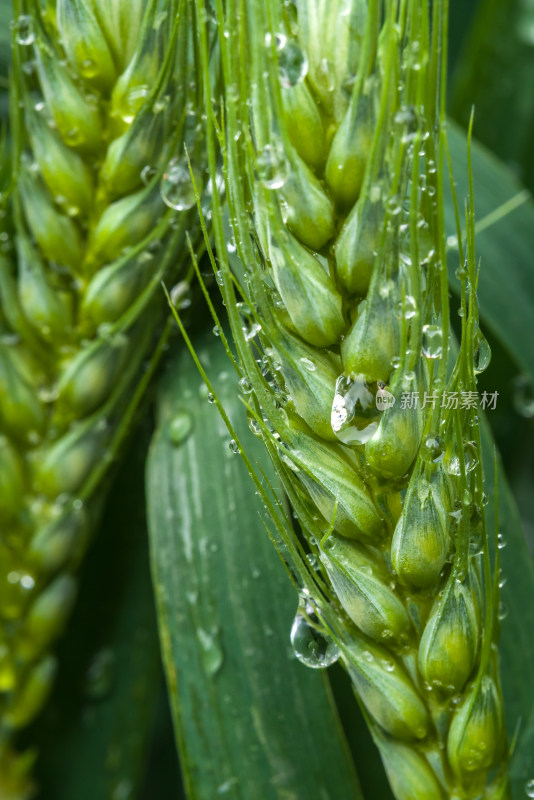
[(296, 162), (95, 214), (335, 158)]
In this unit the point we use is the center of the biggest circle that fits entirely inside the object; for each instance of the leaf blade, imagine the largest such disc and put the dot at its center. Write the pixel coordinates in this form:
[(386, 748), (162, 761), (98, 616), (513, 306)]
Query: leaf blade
[(241, 598)]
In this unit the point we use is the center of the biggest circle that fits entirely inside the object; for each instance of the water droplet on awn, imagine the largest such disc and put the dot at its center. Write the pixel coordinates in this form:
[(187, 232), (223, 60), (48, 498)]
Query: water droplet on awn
[(23, 29), (482, 353), (432, 341), (406, 308), (177, 188), (470, 460), (311, 647)]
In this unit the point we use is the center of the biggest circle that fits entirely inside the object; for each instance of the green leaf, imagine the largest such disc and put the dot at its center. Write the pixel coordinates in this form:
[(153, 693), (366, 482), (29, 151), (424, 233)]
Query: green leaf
[(93, 739), (504, 216), (495, 74), (250, 720)]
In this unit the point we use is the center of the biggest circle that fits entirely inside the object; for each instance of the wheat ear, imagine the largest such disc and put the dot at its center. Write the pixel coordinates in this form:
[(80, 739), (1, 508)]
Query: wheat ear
[(104, 100), (334, 147)]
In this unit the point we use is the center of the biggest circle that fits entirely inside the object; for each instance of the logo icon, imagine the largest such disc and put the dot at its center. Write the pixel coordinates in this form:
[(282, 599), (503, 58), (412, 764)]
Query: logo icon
[(384, 399)]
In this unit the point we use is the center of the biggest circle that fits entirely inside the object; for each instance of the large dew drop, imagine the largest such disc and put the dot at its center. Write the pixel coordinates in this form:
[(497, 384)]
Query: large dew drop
[(310, 646), (354, 416)]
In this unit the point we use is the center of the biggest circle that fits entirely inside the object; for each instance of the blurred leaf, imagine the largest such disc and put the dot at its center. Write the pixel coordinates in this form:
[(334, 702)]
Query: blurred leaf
[(94, 736), (250, 720), (495, 73), (460, 19), (504, 216)]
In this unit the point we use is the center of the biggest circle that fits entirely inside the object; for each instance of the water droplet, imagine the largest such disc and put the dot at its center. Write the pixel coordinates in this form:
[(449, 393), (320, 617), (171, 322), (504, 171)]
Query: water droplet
[(180, 295), (406, 308), (292, 64), (272, 166), (233, 446), (100, 676), (308, 363), (180, 427), (210, 398), (252, 331), (503, 611), (147, 173), (476, 543), (212, 654), (177, 190), (23, 29), (481, 354), (245, 385), (216, 330), (309, 645), (501, 541), (529, 786), (470, 459), (433, 449), (524, 396), (354, 416), (312, 561), (432, 341), (254, 425)]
